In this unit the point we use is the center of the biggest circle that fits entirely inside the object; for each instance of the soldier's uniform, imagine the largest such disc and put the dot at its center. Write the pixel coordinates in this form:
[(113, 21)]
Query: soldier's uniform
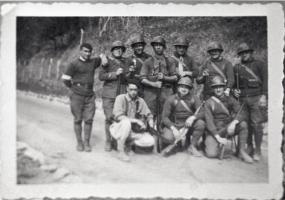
[(151, 67), (80, 74), (112, 87), (137, 61), (184, 63), (221, 67), (219, 113), (252, 83), (177, 110)]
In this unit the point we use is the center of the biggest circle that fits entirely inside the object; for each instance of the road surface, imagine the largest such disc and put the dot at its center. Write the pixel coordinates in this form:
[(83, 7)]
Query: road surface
[(47, 126)]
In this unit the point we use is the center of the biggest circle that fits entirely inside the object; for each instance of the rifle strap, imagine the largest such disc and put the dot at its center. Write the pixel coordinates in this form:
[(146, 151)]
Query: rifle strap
[(218, 101), (251, 73), (217, 69), (183, 103)]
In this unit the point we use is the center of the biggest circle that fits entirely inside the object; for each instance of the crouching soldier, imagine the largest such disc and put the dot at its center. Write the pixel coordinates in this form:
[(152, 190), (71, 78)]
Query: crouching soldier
[(181, 110), (132, 117), (219, 110)]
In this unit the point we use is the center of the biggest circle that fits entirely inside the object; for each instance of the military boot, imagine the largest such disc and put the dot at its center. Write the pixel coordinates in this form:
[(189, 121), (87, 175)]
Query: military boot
[(244, 156), (87, 134), (257, 155), (78, 130), (192, 150), (122, 155)]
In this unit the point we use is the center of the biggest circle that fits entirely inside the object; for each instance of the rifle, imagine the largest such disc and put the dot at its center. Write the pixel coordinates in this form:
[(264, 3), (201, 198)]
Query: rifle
[(183, 134), (237, 77), (222, 151), (158, 109)]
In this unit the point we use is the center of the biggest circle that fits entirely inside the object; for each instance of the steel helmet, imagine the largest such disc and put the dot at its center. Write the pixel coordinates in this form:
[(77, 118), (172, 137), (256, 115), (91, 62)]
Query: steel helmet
[(214, 46), (138, 38), (118, 43), (185, 81), (243, 47), (181, 41), (159, 40), (217, 81)]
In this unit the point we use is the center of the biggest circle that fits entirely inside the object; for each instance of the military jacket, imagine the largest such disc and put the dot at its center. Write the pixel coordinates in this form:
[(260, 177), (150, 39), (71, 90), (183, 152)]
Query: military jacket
[(188, 64), (82, 75), (156, 64), (215, 113), (174, 112), (111, 86), (246, 82), (224, 65)]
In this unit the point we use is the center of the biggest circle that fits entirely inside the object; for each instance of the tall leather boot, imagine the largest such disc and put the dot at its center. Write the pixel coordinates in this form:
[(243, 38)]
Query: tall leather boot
[(258, 135), (78, 130), (87, 135), (194, 142), (242, 145)]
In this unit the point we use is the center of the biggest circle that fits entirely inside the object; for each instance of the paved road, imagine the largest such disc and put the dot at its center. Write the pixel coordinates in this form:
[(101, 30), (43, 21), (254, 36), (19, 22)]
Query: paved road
[(47, 126)]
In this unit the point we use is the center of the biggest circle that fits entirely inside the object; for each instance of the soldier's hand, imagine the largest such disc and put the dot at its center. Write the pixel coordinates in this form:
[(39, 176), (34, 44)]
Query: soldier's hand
[(104, 59), (132, 68), (205, 73), (160, 76), (151, 123), (157, 84), (190, 121), (220, 139), (119, 71), (231, 128), (236, 93), (262, 101), (227, 92), (141, 124)]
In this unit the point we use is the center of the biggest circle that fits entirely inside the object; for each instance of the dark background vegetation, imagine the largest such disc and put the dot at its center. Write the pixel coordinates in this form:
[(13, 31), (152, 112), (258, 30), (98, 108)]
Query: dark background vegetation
[(45, 45)]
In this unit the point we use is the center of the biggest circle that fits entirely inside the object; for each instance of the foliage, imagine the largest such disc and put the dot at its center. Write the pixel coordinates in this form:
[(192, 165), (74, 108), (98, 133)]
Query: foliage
[(45, 46)]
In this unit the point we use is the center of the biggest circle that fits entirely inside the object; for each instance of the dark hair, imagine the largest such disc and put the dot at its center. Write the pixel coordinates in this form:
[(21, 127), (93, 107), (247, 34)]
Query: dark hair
[(133, 81), (86, 45)]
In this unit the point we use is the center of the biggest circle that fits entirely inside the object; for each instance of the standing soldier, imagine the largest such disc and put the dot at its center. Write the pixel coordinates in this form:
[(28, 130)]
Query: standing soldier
[(178, 112), (216, 65), (158, 76), (137, 59), (185, 65), (113, 75), (79, 77), (251, 88), (219, 110)]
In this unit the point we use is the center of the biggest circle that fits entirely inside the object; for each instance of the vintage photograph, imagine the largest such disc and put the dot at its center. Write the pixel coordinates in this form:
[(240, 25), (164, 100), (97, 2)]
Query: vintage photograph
[(142, 99), (128, 100)]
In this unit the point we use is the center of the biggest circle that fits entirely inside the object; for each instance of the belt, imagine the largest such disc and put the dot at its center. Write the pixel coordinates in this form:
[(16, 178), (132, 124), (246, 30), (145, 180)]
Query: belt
[(84, 85)]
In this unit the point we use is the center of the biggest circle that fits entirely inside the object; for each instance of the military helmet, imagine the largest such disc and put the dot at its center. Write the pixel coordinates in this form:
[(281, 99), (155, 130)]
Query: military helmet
[(118, 43), (214, 46), (159, 40), (185, 81), (139, 38), (181, 41), (243, 47), (217, 81)]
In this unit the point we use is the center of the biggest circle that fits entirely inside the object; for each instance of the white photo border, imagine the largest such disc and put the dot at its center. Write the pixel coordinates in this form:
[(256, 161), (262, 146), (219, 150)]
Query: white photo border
[(9, 188)]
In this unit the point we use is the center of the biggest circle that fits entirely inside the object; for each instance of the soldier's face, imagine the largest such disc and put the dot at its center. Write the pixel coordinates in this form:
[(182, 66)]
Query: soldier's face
[(117, 52), (181, 50), (132, 90), (183, 90), (85, 53), (158, 48), (219, 91), (246, 56), (215, 54), (138, 48)]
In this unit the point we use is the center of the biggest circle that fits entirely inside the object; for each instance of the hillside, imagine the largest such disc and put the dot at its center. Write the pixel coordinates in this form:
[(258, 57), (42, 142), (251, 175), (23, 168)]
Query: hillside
[(45, 46)]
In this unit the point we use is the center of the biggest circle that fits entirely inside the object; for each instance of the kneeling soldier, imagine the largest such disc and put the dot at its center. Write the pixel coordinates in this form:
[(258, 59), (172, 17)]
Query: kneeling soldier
[(219, 110), (179, 112), (132, 117)]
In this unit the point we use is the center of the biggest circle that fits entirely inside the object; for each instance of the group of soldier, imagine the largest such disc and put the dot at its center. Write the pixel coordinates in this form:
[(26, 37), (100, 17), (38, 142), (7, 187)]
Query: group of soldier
[(152, 102)]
